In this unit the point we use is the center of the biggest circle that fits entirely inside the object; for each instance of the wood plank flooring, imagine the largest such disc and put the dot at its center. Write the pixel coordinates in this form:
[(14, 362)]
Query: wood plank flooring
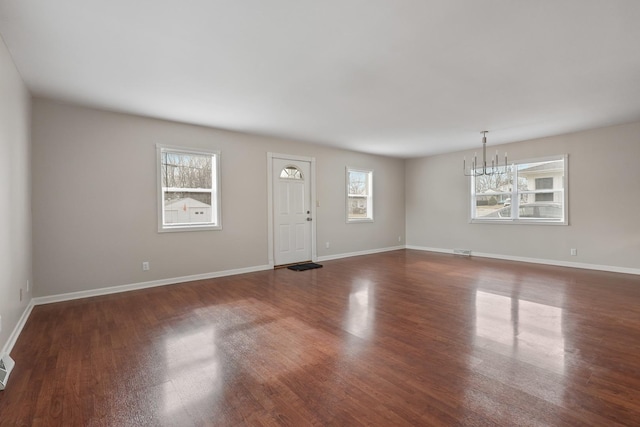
[(399, 338)]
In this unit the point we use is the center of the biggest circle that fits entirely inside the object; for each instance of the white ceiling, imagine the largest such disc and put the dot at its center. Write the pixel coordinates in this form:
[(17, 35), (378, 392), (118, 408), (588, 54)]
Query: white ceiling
[(402, 78)]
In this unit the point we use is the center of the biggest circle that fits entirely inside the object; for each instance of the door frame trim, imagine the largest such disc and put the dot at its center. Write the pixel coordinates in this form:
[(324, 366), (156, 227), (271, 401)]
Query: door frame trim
[(312, 161)]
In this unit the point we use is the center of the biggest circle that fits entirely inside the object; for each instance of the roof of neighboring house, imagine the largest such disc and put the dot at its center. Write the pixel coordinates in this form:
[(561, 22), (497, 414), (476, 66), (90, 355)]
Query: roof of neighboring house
[(188, 201)]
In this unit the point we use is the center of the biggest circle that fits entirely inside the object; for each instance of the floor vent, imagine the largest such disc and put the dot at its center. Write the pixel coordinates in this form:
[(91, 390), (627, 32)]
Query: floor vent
[(463, 252), (6, 365)]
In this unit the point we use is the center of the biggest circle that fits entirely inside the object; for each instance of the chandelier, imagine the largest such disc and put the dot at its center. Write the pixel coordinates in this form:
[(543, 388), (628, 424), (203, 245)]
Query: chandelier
[(479, 169)]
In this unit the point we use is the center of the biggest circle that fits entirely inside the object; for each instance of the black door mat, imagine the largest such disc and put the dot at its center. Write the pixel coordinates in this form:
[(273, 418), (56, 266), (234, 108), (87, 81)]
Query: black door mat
[(303, 267)]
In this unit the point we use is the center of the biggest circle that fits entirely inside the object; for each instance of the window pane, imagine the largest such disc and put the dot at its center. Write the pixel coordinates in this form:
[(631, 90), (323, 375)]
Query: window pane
[(357, 207), (540, 175), (185, 170), (291, 172), (493, 195), (187, 208), (541, 205), (537, 204), (358, 183)]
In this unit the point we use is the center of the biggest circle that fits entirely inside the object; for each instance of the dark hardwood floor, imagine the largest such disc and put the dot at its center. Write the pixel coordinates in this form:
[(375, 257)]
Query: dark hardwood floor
[(399, 338)]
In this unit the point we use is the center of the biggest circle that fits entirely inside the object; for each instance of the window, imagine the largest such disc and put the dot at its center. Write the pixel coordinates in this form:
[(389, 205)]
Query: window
[(531, 191), (359, 195), (542, 184), (291, 172), (189, 189)]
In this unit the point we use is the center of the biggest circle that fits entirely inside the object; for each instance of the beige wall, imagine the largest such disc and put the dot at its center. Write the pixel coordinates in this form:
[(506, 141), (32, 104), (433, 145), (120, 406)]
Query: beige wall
[(604, 202), (94, 200), (15, 185)]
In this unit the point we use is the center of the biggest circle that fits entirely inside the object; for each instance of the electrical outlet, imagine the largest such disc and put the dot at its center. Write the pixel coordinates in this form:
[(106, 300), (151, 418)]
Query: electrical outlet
[(574, 252), (399, 238), (327, 245), (28, 287), (145, 266), (20, 294)]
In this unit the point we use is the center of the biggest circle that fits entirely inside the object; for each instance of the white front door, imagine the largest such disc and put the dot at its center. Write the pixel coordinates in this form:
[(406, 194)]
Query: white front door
[(291, 211)]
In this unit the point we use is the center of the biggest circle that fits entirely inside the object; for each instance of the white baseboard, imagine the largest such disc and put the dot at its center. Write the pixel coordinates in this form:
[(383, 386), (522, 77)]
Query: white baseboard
[(143, 285), (8, 346), (583, 265), (426, 249), (171, 281), (352, 254)]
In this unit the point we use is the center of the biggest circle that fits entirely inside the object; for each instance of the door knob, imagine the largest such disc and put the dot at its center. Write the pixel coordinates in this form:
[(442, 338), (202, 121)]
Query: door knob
[(308, 219)]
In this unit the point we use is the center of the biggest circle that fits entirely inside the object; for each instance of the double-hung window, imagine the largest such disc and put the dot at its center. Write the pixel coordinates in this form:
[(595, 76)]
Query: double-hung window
[(359, 195), (533, 191), (188, 189)]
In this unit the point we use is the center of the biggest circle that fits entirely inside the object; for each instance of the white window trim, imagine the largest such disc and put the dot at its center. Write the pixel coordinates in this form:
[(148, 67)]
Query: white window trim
[(514, 196), (216, 190), (369, 196)]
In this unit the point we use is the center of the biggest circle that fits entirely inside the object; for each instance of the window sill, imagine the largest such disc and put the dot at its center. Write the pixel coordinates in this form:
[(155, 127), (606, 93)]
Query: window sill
[(355, 221), (181, 228), (518, 222)]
